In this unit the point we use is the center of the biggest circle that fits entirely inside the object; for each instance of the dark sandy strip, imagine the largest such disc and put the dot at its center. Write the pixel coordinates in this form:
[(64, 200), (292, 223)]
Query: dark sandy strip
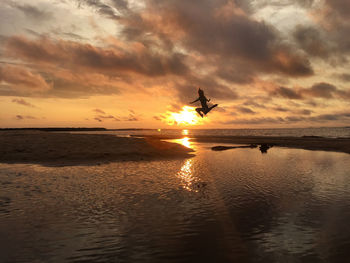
[(50, 148)]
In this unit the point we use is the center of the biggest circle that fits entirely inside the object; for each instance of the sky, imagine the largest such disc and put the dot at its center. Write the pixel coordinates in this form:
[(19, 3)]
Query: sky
[(138, 63)]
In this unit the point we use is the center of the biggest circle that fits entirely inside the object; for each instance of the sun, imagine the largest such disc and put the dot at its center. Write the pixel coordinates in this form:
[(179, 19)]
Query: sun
[(187, 116)]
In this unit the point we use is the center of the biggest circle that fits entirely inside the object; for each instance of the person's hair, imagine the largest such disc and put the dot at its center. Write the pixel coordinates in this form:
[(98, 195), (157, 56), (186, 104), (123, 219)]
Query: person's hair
[(200, 92)]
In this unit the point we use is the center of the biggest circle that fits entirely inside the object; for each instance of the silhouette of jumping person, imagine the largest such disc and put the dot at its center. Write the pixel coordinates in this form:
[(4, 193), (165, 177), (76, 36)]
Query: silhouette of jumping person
[(203, 100)]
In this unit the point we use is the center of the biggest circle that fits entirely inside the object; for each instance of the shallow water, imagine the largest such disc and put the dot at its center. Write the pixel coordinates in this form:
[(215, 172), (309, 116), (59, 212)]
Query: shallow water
[(284, 206)]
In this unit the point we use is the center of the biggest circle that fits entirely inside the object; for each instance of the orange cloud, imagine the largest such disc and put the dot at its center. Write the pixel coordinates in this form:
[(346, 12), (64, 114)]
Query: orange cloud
[(21, 79)]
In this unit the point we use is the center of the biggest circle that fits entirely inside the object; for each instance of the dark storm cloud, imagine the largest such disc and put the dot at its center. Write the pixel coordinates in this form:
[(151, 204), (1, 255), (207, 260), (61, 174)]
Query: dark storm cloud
[(23, 102)]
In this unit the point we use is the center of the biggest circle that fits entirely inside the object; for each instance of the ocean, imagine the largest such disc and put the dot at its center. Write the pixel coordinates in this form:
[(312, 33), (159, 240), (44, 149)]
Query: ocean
[(328, 132)]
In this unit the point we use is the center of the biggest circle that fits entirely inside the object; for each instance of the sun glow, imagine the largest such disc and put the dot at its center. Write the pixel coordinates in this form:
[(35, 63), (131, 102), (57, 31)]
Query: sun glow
[(187, 116)]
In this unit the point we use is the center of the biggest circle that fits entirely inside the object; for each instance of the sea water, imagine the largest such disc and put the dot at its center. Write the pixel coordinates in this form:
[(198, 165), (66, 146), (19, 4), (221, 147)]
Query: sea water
[(240, 205), (328, 132)]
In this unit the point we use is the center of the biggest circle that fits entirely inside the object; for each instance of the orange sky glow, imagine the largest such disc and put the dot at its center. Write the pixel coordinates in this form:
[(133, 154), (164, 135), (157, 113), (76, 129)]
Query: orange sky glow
[(138, 64)]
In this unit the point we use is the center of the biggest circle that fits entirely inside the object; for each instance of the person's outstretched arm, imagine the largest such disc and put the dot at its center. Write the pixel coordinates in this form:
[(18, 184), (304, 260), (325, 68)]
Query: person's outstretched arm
[(194, 101)]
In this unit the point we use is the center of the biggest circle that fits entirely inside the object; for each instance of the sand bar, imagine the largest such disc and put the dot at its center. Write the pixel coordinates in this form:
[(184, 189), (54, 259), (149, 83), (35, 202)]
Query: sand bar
[(52, 148), (307, 143)]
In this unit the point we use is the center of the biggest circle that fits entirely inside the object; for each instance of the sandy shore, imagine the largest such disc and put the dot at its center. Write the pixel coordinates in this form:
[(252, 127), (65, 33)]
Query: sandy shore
[(307, 143), (72, 149)]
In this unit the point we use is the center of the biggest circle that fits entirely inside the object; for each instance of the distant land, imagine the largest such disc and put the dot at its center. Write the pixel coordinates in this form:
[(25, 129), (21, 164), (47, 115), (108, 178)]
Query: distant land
[(53, 129), (72, 129)]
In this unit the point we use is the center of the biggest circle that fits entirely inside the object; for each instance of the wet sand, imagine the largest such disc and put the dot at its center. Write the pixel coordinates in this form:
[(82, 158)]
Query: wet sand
[(306, 143), (51, 148), (73, 149)]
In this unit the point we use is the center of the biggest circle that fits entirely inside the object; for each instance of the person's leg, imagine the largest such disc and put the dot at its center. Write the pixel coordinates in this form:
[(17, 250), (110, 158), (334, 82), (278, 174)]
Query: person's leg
[(206, 110), (199, 111), (209, 109)]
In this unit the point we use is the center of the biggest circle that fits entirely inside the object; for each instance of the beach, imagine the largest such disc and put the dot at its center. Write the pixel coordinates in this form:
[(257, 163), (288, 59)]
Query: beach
[(54, 148)]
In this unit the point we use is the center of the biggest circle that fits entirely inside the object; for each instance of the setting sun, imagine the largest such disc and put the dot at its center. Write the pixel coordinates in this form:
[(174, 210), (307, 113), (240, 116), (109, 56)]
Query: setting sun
[(187, 116)]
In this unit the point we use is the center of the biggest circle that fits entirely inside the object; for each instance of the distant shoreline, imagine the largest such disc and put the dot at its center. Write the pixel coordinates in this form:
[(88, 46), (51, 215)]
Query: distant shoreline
[(141, 129)]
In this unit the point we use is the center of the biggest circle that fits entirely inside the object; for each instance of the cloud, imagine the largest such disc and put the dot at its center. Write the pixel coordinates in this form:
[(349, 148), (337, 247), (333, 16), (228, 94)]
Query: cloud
[(99, 111), (245, 110), (340, 7), (102, 115), (321, 90), (211, 44), (318, 90), (261, 120), (21, 80), (221, 30), (69, 55), (310, 40), (253, 103), (23, 102), (321, 118), (280, 109), (344, 77), (32, 12), (286, 93), (22, 117), (304, 112)]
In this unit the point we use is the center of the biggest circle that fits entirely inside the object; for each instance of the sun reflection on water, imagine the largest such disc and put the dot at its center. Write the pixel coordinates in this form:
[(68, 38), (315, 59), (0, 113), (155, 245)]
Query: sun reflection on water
[(186, 176), (185, 141)]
